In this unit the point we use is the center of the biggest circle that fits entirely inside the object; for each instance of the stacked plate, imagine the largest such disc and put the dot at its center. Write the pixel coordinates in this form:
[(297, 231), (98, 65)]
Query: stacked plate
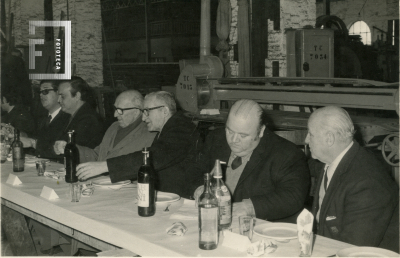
[(106, 183), (277, 231)]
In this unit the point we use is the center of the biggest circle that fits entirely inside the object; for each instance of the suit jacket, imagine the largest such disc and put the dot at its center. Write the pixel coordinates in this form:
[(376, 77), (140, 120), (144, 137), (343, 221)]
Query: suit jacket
[(359, 202), (87, 126), (276, 178), (136, 140), (47, 135), (170, 154), (20, 118)]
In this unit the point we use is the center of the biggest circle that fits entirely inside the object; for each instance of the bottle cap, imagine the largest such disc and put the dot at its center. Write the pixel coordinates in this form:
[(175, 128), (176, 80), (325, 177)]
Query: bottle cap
[(71, 131), (217, 169)]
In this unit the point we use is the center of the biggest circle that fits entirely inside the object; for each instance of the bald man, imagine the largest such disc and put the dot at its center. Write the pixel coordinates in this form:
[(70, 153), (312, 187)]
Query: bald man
[(127, 135), (356, 199), (267, 175), (170, 152)]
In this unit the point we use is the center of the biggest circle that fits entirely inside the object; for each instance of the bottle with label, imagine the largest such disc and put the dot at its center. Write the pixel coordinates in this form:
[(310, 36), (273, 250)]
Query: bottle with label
[(71, 159), (146, 187), (208, 217), (18, 153), (223, 195)]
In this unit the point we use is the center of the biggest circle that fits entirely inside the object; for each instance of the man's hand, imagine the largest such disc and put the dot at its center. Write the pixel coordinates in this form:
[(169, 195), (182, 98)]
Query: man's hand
[(26, 142), (239, 209), (91, 169), (59, 147)]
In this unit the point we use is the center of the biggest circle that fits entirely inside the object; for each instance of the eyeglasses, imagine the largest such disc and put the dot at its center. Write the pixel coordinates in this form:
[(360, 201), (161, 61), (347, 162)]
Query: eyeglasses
[(147, 110), (120, 111), (46, 91)]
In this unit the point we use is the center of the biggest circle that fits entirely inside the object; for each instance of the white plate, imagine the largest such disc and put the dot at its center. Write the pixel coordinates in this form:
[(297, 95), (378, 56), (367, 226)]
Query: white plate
[(366, 252), (278, 231), (163, 197), (106, 182)]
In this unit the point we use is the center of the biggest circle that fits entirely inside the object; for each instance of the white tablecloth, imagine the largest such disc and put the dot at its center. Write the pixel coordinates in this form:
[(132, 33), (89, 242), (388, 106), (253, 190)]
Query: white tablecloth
[(111, 216)]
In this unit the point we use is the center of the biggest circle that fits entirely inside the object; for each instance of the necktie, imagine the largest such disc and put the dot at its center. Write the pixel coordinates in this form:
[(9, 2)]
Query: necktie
[(326, 179), (236, 163), (48, 121)]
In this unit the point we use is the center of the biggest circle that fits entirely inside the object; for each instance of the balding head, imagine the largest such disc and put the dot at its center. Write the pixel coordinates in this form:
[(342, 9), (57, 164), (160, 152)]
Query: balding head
[(336, 120), (244, 127), (127, 100), (330, 131)]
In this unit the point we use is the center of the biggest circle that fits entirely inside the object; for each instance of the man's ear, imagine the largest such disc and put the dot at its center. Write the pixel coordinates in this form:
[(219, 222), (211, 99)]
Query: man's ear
[(78, 95), (330, 138)]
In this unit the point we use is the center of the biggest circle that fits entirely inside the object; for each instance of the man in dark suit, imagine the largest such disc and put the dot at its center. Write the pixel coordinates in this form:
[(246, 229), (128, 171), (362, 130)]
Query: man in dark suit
[(356, 200), (74, 98), (51, 127), (266, 174), (175, 144), (16, 114)]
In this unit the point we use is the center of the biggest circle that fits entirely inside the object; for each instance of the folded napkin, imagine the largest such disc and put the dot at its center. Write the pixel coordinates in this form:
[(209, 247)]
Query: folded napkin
[(304, 232), (186, 211)]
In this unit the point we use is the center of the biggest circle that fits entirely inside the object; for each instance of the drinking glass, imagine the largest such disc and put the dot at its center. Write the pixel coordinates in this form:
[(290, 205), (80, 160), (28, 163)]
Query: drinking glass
[(40, 167), (75, 191), (246, 226)]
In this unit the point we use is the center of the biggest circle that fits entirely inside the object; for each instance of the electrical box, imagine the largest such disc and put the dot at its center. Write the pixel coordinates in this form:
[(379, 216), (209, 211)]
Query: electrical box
[(309, 53)]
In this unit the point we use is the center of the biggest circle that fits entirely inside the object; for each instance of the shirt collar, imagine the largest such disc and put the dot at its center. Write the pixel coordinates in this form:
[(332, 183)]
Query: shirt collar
[(332, 167), (55, 113)]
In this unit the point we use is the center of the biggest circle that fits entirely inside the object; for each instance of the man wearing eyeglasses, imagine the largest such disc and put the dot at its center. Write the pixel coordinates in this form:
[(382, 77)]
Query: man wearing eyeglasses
[(175, 145), (127, 135), (51, 127)]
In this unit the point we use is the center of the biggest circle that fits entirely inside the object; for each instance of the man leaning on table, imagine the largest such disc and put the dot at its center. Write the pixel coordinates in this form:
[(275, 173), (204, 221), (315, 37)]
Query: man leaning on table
[(356, 199), (267, 175), (174, 145), (127, 135)]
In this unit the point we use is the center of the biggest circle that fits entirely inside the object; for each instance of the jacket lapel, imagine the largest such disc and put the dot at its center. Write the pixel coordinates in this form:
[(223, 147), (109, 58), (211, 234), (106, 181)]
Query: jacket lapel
[(341, 169), (259, 153)]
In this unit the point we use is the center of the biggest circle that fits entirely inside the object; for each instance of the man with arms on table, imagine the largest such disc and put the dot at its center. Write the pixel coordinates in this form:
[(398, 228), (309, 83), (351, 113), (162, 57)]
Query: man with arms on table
[(356, 201), (175, 144), (127, 135), (74, 98), (51, 127), (267, 175)]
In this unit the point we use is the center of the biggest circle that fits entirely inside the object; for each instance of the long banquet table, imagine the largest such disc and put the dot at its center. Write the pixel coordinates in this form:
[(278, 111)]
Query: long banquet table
[(108, 219)]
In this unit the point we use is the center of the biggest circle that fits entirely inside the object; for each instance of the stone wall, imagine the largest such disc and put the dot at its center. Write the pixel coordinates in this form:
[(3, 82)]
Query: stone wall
[(86, 37), (374, 13)]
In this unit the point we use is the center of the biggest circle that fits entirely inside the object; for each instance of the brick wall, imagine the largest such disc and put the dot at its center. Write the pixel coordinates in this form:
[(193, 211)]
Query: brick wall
[(86, 36), (374, 13), (294, 14)]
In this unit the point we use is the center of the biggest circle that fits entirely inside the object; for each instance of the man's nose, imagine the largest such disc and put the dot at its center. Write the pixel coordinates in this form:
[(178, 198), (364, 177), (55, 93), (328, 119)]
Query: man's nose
[(59, 99), (307, 140), (235, 138)]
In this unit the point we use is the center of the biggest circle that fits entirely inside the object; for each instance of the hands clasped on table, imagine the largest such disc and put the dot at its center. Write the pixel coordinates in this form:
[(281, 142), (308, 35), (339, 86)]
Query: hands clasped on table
[(90, 169)]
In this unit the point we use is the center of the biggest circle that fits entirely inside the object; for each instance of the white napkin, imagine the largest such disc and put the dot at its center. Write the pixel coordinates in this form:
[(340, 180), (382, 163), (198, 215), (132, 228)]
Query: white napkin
[(211, 111), (304, 232)]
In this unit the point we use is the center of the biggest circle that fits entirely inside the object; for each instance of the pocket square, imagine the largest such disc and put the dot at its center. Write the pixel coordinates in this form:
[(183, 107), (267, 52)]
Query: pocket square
[(330, 218)]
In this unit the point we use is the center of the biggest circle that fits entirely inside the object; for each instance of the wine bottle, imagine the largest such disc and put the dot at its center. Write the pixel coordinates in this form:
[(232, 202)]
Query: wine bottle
[(146, 187), (71, 159), (18, 153), (3, 148), (208, 217), (223, 195)]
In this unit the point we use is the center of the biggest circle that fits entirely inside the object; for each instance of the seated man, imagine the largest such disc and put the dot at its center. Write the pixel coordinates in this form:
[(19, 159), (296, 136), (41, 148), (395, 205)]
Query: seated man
[(356, 200), (17, 115), (127, 135), (51, 127), (74, 98), (170, 151), (267, 175)]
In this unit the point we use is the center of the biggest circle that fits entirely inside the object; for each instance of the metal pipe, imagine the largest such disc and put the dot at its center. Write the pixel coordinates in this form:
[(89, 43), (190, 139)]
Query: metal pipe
[(205, 34)]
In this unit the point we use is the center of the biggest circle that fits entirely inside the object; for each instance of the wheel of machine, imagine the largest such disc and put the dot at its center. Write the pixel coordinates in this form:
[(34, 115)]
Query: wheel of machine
[(390, 149)]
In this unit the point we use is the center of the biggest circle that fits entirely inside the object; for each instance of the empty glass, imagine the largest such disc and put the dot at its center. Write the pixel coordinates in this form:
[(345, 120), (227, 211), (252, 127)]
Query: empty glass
[(40, 167), (75, 191), (246, 226)]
